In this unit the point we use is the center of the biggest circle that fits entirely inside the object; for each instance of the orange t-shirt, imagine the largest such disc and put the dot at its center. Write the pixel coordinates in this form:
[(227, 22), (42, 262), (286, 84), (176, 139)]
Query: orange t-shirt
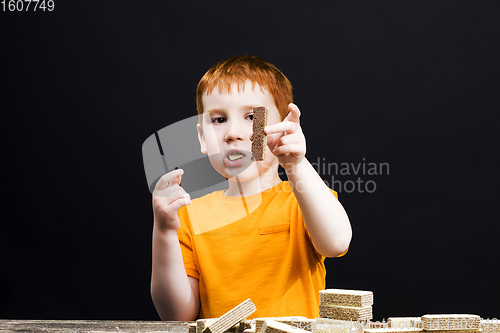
[(252, 247)]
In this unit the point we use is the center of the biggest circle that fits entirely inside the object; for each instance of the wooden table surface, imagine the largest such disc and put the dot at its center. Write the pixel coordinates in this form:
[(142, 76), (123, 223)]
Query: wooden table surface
[(87, 326)]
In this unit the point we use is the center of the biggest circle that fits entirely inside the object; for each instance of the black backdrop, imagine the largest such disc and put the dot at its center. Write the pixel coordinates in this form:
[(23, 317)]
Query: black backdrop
[(413, 84)]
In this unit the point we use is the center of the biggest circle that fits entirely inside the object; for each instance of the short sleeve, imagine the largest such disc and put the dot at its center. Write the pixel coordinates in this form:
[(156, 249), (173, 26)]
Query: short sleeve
[(186, 242)]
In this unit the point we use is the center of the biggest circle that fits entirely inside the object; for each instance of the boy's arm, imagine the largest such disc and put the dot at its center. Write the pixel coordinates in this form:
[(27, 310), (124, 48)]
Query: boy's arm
[(174, 294), (324, 216)]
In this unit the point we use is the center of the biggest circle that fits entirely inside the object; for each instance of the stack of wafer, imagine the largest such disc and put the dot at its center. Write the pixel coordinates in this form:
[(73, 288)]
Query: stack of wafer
[(345, 304), (451, 323)]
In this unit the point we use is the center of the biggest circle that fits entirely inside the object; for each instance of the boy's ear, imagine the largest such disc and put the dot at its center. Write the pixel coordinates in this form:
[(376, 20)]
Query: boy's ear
[(203, 146)]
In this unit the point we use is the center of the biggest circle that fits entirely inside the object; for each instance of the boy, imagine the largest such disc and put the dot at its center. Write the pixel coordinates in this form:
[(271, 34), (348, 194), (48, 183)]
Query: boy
[(262, 238)]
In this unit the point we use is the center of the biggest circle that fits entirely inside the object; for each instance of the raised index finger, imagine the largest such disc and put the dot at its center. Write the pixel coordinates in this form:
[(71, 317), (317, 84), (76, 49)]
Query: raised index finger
[(294, 115)]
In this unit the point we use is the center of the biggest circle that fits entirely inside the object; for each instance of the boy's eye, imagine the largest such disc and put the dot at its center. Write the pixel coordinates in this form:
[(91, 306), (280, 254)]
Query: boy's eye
[(250, 116), (218, 120)]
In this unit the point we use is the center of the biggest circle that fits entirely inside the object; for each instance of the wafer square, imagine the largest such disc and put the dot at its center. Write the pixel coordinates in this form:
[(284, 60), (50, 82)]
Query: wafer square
[(232, 317), (346, 297), (345, 312), (201, 324)]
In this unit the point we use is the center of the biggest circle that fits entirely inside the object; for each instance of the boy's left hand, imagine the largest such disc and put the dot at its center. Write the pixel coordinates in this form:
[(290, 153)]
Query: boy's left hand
[(286, 140)]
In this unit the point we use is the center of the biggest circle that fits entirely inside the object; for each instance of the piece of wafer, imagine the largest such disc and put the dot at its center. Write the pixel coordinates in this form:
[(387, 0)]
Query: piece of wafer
[(238, 328), (345, 312), (259, 138), (346, 297), (232, 317), (273, 326), (446, 322), (201, 324)]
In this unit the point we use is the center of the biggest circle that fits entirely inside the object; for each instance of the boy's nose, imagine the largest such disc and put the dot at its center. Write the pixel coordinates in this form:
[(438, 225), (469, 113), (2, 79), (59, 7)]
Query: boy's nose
[(235, 131)]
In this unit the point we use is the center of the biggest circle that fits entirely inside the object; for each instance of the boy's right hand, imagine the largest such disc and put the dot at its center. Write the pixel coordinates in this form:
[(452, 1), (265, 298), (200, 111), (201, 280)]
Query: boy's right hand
[(168, 197)]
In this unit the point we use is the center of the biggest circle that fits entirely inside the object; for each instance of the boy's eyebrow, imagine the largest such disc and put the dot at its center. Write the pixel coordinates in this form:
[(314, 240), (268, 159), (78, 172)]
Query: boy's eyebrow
[(214, 110)]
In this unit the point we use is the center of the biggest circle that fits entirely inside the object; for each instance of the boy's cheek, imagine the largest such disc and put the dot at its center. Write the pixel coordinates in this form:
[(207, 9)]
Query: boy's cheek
[(210, 136), (211, 142)]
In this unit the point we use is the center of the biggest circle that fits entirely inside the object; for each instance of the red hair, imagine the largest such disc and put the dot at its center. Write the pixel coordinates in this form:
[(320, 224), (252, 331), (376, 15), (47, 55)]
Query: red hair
[(240, 69)]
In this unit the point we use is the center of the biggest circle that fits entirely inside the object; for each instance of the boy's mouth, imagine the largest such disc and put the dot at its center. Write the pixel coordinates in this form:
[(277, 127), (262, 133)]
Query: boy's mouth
[(236, 158)]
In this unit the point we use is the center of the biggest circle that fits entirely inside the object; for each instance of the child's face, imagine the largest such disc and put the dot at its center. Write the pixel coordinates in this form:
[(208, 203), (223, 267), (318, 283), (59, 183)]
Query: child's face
[(227, 128)]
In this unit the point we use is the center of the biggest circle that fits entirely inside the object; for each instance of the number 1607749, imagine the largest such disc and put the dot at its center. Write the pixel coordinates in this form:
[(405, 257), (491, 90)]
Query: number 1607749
[(27, 5)]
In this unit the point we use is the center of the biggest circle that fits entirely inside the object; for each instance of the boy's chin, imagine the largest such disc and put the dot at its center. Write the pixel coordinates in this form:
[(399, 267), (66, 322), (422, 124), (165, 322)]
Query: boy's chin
[(246, 174), (242, 176)]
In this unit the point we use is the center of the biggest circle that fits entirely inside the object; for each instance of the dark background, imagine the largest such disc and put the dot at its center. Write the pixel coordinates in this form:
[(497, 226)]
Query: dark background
[(411, 83)]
